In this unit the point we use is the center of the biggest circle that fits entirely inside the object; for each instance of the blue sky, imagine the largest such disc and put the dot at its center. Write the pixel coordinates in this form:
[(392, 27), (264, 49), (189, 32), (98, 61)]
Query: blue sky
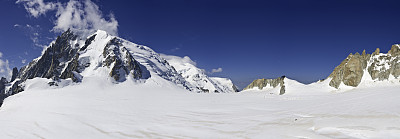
[(247, 39)]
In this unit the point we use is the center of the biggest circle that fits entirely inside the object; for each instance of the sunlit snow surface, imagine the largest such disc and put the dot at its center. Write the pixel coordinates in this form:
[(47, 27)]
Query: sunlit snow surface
[(97, 108), (160, 107)]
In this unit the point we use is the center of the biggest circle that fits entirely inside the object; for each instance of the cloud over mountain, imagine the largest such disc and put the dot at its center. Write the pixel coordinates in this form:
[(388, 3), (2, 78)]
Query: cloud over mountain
[(216, 70), (82, 17), (5, 70)]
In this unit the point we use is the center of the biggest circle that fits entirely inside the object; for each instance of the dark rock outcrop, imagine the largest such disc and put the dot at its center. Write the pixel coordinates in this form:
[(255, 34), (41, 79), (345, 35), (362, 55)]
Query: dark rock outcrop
[(14, 74), (88, 42), (50, 64), (72, 70), (16, 88), (3, 83), (61, 60), (235, 88), (121, 60), (282, 90)]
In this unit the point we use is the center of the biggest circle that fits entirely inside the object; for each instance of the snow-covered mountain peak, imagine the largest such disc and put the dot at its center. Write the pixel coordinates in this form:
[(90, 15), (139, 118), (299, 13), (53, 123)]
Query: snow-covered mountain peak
[(100, 33), (198, 77), (104, 56)]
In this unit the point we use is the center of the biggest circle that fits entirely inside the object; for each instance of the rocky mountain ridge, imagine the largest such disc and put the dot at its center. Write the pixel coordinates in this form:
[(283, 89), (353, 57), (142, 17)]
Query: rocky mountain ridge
[(377, 66), (272, 83), (352, 71), (70, 58)]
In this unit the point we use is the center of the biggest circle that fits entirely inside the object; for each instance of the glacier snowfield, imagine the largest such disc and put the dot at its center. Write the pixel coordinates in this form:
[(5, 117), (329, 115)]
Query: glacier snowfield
[(98, 108)]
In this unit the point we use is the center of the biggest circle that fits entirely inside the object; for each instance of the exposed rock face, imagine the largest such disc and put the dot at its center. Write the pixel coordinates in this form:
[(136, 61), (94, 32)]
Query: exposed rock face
[(3, 83), (282, 90), (70, 57), (379, 66), (61, 60), (16, 88), (88, 42), (395, 51), (261, 83), (350, 71), (51, 63), (72, 70), (14, 74), (235, 88), (121, 60), (384, 65)]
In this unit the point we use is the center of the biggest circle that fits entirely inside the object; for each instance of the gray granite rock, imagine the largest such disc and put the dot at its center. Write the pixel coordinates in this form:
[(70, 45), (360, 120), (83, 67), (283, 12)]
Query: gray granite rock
[(379, 66), (261, 83)]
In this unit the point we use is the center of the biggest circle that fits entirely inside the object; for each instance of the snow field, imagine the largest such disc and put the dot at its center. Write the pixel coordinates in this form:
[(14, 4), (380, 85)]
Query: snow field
[(97, 108)]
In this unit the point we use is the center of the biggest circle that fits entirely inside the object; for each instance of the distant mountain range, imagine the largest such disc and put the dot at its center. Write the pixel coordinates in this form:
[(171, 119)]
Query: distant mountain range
[(70, 59), (355, 70)]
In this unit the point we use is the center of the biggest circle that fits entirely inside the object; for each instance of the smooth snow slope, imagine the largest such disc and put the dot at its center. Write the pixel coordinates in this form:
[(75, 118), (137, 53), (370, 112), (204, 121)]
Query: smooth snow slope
[(197, 77), (97, 108)]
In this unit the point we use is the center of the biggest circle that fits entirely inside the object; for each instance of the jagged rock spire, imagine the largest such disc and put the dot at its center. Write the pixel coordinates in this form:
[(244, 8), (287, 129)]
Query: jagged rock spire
[(395, 51), (379, 66), (14, 74), (3, 82), (377, 51), (48, 65)]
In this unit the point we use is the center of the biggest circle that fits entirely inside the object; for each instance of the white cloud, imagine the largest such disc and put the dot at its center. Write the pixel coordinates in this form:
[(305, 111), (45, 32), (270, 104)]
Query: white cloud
[(23, 61), (216, 70), (5, 70), (82, 17), (37, 7)]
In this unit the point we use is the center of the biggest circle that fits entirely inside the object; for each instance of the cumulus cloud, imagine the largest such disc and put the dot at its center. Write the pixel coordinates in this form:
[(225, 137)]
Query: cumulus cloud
[(5, 70), (82, 17), (216, 70), (37, 7)]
